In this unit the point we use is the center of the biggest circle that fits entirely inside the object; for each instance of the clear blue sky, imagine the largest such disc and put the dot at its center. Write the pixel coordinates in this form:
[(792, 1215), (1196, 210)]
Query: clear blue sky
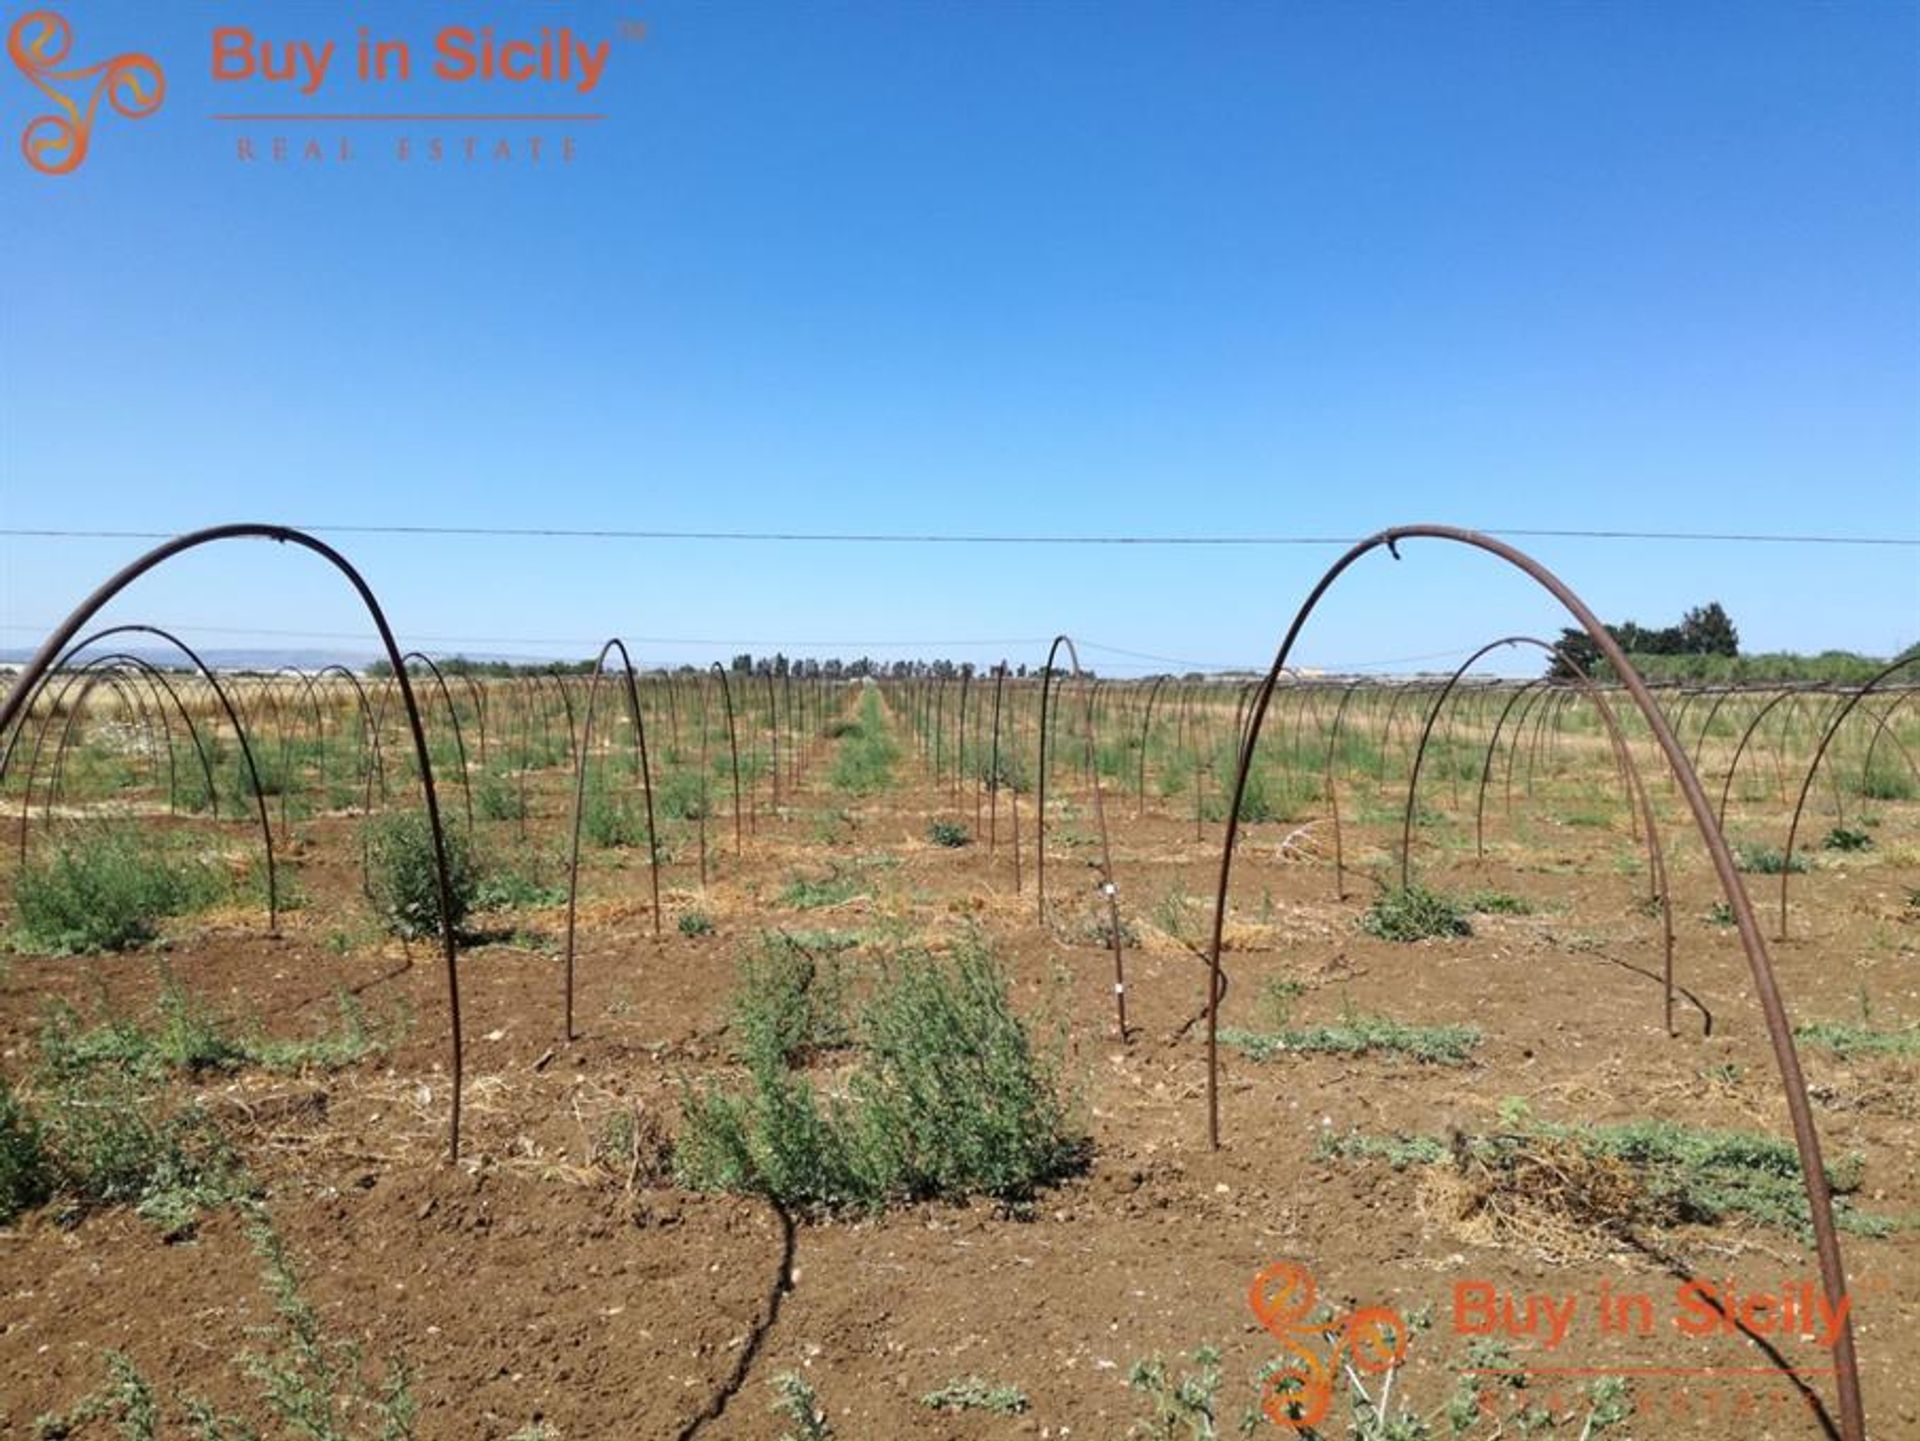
[(1171, 268)]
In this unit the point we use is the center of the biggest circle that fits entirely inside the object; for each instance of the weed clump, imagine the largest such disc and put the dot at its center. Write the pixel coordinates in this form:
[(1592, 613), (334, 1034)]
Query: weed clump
[(948, 1097), (863, 762), (1767, 860), (403, 882), (948, 834), (1414, 913), (1586, 1180), (1847, 1039), (975, 1393), (106, 891), (1358, 1035)]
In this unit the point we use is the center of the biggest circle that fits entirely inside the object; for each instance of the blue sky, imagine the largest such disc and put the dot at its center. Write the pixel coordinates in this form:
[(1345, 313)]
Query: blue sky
[(1061, 268)]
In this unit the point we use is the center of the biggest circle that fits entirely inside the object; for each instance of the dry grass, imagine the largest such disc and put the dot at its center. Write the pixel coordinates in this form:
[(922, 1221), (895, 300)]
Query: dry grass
[(1550, 1198)]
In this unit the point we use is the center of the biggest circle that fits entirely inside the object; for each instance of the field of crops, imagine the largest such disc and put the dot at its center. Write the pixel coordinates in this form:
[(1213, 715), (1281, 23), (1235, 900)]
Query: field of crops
[(749, 1055)]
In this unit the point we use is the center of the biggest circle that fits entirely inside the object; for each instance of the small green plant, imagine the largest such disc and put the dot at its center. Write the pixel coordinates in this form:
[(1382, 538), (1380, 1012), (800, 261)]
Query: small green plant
[(974, 1393), (403, 880), (1100, 929), (696, 923), (1414, 913), (795, 1399), (1358, 1035), (948, 834), (1276, 1000), (787, 1004), (1498, 903), (612, 822), (127, 1400), (26, 1171), (835, 888), (1847, 838), (511, 888), (190, 1038), (909, 1122), (315, 1384), (1175, 914), (498, 799), (1766, 860), (1848, 1039), (863, 761), (1681, 1173), (106, 890), (1719, 914), (108, 1142), (1184, 1405)]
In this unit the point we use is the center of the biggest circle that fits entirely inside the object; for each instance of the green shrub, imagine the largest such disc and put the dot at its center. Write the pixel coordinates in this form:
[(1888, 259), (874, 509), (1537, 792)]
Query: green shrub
[(681, 796), (1498, 903), (786, 1005), (612, 821), (499, 799), (948, 834), (1263, 799), (949, 1099), (1887, 782), (1277, 997), (1766, 860), (1847, 838), (314, 1385), (403, 880), (110, 1143), (1007, 771), (106, 891), (1414, 913), (26, 1174), (511, 888), (696, 923), (189, 1037)]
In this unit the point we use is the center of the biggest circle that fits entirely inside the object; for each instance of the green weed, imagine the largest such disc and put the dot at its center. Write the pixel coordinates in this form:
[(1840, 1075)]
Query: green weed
[(948, 1098), (1414, 913), (1358, 1035), (403, 880), (974, 1393), (101, 890)]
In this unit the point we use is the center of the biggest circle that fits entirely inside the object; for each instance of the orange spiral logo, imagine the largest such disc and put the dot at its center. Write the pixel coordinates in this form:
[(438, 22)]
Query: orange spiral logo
[(56, 144), (1373, 1339)]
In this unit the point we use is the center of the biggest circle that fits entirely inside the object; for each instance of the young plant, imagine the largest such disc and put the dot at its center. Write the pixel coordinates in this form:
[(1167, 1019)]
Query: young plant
[(974, 1393), (948, 834), (403, 880), (1414, 913), (100, 890), (798, 1403)]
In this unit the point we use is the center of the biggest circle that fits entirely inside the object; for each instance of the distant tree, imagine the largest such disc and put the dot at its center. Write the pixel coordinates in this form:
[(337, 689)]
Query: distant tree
[(1576, 653), (742, 664), (1707, 630)]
